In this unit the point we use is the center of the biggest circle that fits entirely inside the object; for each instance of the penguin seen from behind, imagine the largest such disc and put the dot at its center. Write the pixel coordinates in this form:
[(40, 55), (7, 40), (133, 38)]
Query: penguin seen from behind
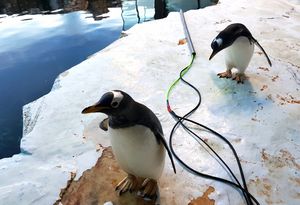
[(239, 44)]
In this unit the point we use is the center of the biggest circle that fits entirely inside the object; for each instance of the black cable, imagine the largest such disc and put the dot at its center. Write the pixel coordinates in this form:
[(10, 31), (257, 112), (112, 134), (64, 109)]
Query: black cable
[(248, 197), (238, 185), (180, 120), (220, 136)]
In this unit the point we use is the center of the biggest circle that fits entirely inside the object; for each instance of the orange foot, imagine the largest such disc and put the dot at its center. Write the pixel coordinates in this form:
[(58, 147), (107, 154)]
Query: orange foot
[(149, 189), (129, 183), (239, 78), (226, 74)]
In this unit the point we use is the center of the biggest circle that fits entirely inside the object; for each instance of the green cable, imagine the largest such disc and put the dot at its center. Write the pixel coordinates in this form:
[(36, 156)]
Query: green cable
[(245, 192), (247, 195), (185, 70)]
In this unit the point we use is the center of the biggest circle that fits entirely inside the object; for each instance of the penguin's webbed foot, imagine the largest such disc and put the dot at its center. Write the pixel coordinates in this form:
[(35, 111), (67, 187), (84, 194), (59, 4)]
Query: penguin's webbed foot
[(104, 124), (226, 74), (149, 189), (239, 78), (129, 183)]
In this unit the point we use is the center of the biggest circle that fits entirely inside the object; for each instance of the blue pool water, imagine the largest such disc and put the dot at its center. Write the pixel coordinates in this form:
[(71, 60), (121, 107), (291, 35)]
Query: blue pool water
[(35, 49)]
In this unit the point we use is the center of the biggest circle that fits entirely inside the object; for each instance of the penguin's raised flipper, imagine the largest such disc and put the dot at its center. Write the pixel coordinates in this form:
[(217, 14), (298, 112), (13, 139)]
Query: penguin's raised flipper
[(261, 48), (104, 124)]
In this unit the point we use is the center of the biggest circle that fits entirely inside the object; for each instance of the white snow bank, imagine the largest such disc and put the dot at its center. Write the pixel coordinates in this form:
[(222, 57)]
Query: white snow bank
[(260, 118)]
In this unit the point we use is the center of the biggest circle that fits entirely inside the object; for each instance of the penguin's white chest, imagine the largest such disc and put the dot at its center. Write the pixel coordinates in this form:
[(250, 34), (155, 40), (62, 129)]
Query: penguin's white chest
[(137, 151), (239, 54)]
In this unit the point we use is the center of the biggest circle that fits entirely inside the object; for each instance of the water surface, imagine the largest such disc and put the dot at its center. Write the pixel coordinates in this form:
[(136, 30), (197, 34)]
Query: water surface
[(34, 50)]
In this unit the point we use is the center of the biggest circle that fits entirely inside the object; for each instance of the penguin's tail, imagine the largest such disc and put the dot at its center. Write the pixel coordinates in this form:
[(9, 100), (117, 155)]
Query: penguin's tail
[(261, 48)]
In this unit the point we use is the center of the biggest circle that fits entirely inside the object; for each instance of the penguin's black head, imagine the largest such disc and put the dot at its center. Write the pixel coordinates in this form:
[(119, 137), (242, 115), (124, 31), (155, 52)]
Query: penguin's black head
[(111, 103), (217, 45), (226, 37)]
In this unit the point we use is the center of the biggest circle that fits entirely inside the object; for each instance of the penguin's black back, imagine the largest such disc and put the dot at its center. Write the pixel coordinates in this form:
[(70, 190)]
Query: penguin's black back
[(232, 32), (139, 114)]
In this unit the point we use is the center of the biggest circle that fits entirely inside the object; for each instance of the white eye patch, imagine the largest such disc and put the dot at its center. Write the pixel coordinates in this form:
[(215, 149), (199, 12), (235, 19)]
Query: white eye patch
[(118, 97), (219, 41)]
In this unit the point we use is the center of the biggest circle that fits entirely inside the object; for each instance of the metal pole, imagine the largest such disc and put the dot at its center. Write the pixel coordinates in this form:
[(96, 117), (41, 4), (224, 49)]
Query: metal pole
[(187, 34)]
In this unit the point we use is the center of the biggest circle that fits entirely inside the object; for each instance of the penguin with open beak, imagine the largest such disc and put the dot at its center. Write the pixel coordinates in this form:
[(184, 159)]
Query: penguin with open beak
[(137, 141), (239, 44)]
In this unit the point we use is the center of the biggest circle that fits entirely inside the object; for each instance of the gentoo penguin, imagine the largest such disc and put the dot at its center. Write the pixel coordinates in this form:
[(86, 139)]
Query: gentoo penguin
[(240, 46), (137, 141)]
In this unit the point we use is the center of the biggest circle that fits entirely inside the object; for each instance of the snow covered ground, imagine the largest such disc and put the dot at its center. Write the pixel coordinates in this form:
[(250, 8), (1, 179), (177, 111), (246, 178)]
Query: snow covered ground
[(261, 117)]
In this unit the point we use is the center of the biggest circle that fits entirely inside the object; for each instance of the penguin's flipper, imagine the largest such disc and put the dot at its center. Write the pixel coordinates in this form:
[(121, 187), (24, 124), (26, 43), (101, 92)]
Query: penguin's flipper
[(159, 136), (261, 48), (104, 124), (152, 122)]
